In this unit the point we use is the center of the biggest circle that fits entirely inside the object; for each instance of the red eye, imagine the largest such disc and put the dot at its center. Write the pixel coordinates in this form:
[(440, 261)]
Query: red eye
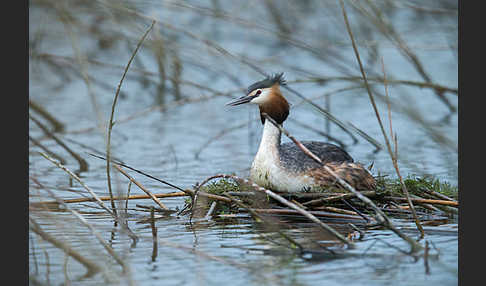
[(258, 92)]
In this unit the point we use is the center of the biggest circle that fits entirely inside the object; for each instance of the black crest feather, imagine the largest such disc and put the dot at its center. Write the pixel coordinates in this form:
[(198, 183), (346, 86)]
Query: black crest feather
[(267, 82)]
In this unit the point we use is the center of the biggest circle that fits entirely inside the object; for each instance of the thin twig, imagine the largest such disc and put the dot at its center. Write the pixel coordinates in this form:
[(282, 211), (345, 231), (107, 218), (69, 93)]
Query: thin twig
[(211, 210), (45, 149), (111, 123), (337, 198), (439, 195), (372, 100), (128, 195), (425, 201), (154, 234), (356, 210), (426, 258), (74, 176), (327, 214), (419, 84), (336, 210), (140, 172), (385, 83), (83, 165), (107, 198), (209, 196), (154, 198), (58, 126)]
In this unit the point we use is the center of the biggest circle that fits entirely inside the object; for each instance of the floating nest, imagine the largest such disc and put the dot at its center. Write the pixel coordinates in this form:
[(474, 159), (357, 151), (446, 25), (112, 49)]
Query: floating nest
[(435, 202)]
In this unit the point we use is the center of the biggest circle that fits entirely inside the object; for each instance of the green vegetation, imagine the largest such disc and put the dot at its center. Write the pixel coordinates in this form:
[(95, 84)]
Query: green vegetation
[(416, 185), (221, 186)]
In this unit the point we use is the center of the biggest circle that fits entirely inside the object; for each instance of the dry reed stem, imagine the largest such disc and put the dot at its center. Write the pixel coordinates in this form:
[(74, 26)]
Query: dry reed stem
[(106, 198), (91, 266), (140, 172), (192, 193), (426, 201), (337, 198), (329, 213), (47, 151), (154, 233), (439, 195), (211, 210), (419, 84), (186, 191), (308, 195), (64, 270), (128, 196), (372, 100), (58, 126), (74, 176), (176, 74), (111, 123), (154, 198), (61, 9), (437, 208), (426, 258), (385, 84), (366, 136), (336, 210), (427, 206), (83, 165)]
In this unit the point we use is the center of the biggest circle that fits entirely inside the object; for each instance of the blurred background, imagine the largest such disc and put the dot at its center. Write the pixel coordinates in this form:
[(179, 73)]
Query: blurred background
[(170, 118)]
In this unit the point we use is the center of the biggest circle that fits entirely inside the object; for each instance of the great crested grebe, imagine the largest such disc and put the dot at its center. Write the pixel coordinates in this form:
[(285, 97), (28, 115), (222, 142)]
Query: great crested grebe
[(285, 167)]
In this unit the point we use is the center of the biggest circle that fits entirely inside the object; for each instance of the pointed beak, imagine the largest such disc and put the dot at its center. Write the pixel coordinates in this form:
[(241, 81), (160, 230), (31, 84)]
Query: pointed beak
[(241, 100)]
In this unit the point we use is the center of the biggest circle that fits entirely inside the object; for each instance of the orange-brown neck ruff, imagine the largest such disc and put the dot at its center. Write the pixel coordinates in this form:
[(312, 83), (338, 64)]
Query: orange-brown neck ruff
[(276, 106)]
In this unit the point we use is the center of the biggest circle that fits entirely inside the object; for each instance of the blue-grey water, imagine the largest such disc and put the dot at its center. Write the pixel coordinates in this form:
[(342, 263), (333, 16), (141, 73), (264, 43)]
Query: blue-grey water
[(187, 142)]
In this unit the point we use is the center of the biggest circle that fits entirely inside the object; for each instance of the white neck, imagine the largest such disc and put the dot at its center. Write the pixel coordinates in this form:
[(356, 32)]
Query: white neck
[(265, 169), (270, 142), (270, 137)]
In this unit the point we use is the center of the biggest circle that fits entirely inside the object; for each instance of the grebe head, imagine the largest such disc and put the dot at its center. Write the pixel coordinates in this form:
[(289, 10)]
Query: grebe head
[(267, 95)]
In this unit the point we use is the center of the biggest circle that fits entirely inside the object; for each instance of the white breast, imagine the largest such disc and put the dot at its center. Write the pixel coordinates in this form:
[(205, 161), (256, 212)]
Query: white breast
[(266, 169)]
